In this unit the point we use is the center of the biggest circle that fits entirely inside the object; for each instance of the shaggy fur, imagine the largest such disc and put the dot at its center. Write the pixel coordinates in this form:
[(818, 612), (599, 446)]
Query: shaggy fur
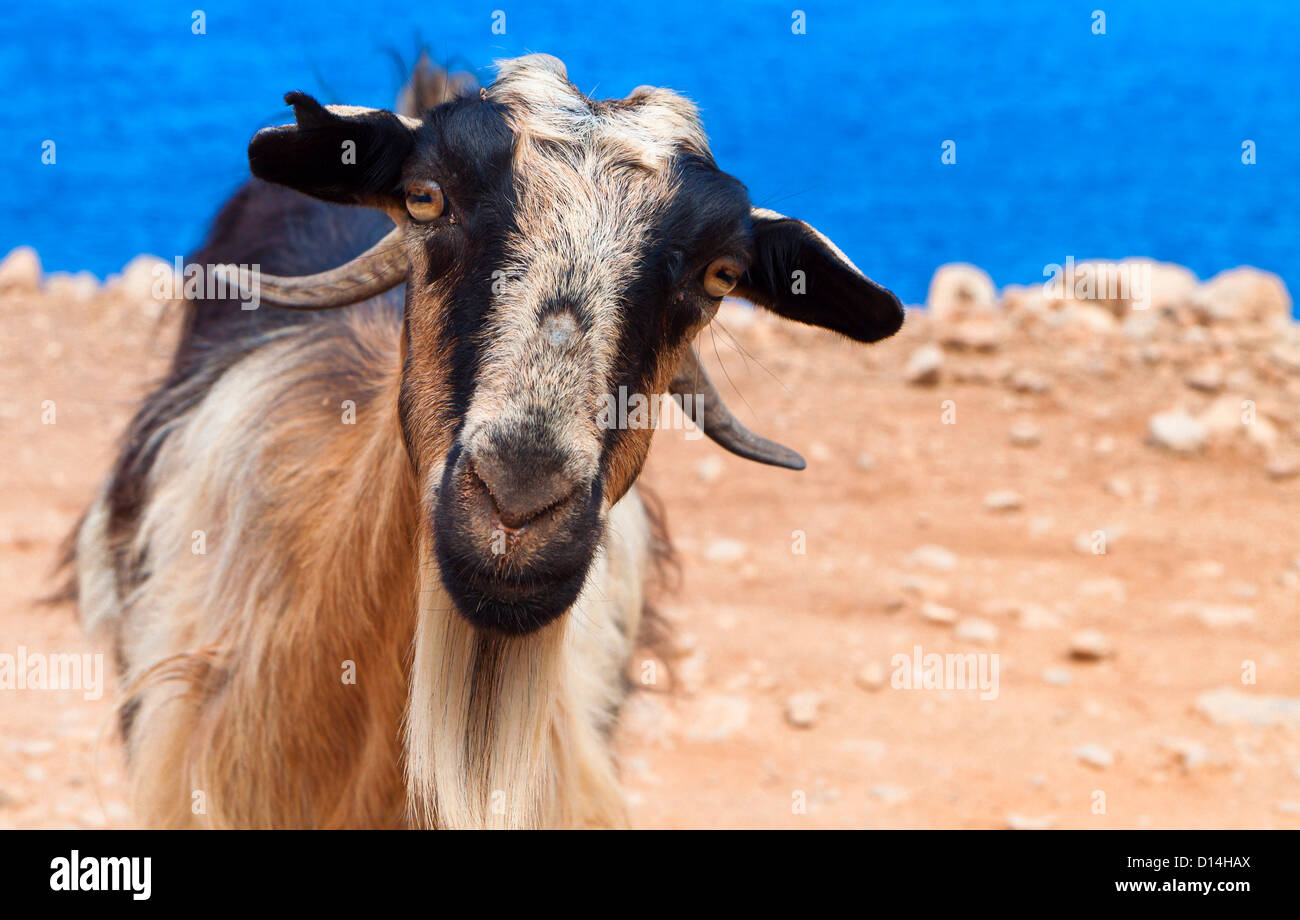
[(291, 556)]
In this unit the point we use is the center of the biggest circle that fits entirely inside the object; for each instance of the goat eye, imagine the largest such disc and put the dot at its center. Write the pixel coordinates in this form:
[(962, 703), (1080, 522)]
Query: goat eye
[(424, 201), (722, 276)]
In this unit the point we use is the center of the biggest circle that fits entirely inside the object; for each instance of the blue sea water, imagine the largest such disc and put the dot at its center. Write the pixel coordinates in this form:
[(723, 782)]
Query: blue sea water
[(1068, 143)]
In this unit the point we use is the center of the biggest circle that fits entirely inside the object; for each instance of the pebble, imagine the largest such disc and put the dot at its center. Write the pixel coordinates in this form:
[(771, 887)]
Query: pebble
[(143, 276), (1216, 616), (1094, 755), (1283, 466), (932, 556), (1190, 754), (1207, 378), (871, 676), (1024, 380), (1177, 431), (21, 269), (801, 709), (1017, 822), (1235, 707), (1026, 434), (1036, 616), (1003, 500), (973, 629), (1090, 645), (924, 367), (959, 291), (725, 550), (1119, 487), (1286, 355), (937, 613)]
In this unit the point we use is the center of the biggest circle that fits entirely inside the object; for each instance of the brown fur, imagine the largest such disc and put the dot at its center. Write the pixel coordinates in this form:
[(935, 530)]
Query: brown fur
[(235, 657)]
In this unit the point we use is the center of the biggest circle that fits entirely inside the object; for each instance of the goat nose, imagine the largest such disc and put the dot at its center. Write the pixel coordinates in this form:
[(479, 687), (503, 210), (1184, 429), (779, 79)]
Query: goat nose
[(522, 485)]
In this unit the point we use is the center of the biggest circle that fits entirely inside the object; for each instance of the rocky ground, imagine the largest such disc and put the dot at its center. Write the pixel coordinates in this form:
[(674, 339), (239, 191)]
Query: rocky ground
[(1097, 503)]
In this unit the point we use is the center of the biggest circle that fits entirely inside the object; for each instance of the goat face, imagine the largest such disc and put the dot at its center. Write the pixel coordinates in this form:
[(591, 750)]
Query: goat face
[(556, 250)]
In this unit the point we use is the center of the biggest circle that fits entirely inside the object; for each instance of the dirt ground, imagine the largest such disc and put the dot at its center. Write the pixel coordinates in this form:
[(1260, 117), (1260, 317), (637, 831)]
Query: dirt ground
[(797, 590)]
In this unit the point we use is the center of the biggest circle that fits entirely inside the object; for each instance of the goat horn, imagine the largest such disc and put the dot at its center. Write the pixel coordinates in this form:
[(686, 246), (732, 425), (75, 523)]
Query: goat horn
[(380, 268), (719, 424)]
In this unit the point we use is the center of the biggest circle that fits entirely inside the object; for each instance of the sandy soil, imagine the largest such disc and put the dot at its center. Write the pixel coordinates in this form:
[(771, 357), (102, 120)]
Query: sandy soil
[(1199, 584)]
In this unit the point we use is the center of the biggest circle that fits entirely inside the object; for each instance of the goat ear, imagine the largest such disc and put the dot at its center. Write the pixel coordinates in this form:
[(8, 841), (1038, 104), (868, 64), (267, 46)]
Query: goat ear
[(829, 290), (341, 154)]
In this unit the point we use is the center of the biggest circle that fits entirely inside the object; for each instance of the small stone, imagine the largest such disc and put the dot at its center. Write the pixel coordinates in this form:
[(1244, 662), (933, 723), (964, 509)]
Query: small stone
[(1286, 355), (893, 603), (871, 676), (1283, 467), (1017, 822), (1003, 500), (925, 586), (1025, 434), (1119, 487), (1216, 616), (931, 556), (1094, 755), (1207, 378), (1090, 645), (1235, 707), (144, 277), (1057, 677), (1024, 380), (924, 366), (725, 550), (1111, 589), (801, 709), (975, 630), (937, 613), (959, 292), (1178, 431), (1190, 754), (21, 270), (1036, 617), (1242, 295), (984, 334)]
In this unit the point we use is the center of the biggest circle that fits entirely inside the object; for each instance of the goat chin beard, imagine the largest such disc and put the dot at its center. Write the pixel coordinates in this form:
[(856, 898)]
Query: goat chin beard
[(494, 739)]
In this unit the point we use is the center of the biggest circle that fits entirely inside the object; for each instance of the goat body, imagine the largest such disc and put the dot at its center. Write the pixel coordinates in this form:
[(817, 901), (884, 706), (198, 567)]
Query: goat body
[(296, 559)]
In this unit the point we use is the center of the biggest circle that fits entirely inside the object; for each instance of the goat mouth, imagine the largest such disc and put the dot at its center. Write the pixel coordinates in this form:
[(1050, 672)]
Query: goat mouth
[(513, 605), (511, 580)]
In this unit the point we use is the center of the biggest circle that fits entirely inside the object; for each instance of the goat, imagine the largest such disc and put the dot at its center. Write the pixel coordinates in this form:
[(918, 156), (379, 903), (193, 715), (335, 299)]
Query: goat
[(472, 549)]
